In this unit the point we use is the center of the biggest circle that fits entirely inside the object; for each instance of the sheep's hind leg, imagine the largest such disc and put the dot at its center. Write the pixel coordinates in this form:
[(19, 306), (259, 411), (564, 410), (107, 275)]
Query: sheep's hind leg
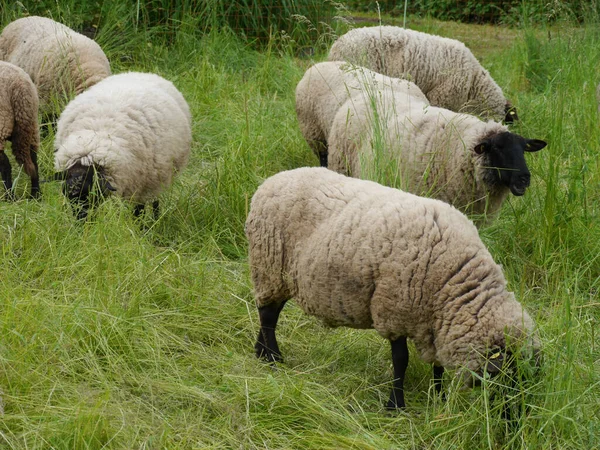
[(266, 344), (6, 172), (35, 178), (438, 373), (323, 159), (400, 363), (155, 210)]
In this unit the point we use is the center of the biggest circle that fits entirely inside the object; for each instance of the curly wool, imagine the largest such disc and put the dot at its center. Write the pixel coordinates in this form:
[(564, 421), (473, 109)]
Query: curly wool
[(444, 69), (136, 126), (326, 86), (19, 115), (357, 254), (60, 61), (428, 149)]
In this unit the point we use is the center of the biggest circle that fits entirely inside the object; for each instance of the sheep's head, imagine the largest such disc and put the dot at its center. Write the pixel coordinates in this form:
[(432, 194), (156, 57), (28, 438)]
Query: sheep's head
[(78, 187), (504, 160)]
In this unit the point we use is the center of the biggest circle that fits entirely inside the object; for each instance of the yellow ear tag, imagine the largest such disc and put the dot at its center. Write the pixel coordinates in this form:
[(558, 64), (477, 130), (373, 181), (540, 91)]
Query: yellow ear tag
[(512, 113), (495, 355)]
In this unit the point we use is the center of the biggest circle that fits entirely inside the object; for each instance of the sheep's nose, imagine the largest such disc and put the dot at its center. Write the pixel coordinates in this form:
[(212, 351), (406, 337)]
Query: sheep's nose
[(524, 180)]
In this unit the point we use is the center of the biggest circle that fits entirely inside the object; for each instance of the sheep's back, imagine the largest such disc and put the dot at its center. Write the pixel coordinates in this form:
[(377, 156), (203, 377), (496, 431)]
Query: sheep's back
[(352, 246), (60, 61), (427, 60)]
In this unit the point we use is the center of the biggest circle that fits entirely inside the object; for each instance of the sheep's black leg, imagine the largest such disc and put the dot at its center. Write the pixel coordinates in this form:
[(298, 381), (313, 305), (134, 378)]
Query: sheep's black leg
[(266, 345), (155, 210), (6, 172), (438, 373), (323, 159), (400, 362), (138, 209), (35, 180)]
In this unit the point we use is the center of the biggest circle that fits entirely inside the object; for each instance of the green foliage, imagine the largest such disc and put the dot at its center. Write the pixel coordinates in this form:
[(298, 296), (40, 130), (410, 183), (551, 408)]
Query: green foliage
[(117, 334), (493, 11), (299, 23)]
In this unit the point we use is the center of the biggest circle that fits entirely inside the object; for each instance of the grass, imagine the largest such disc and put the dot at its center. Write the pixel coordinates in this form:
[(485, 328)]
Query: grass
[(114, 337)]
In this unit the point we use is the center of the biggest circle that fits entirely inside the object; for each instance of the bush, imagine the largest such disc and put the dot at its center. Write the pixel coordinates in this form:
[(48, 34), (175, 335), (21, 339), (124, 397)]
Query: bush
[(493, 11), (302, 22)]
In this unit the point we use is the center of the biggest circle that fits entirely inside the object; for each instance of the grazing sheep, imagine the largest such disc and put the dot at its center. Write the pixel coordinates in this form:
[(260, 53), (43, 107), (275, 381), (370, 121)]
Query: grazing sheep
[(445, 69), (357, 254), (430, 151), (59, 61), (132, 130), (328, 85), (19, 124)]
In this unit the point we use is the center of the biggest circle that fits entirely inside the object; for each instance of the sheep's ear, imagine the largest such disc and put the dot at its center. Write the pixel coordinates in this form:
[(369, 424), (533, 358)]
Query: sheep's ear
[(534, 145), (481, 148), (60, 176), (510, 113), (494, 362), (106, 186)]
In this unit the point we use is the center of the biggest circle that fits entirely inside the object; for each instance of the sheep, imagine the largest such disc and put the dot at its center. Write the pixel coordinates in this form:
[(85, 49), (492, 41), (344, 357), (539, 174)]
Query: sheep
[(132, 131), (358, 254), (326, 86), (431, 151), (19, 124), (59, 60), (445, 69)]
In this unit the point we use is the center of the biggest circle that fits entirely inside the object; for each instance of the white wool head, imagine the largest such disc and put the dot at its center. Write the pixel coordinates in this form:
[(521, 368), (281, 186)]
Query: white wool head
[(87, 147)]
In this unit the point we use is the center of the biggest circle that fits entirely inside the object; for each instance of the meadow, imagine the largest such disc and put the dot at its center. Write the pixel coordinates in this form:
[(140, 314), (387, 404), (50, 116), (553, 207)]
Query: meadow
[(121, 335)]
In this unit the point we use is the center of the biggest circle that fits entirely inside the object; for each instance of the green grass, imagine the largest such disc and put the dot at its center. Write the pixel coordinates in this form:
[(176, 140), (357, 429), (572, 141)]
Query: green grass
[(116, 337)]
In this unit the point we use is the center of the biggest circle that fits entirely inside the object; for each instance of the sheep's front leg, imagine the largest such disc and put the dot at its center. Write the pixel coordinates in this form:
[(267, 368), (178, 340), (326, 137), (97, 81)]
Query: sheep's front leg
[(138, 209), (400, 363), (6, 173), (266, 345)]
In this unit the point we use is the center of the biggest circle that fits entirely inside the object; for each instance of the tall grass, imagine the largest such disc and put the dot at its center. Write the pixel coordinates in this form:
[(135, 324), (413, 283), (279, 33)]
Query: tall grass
[(118, 336), (301, 23)]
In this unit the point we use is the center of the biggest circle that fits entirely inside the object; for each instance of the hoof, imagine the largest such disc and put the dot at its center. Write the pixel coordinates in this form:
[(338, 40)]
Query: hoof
[(393, 405), (264, 353)]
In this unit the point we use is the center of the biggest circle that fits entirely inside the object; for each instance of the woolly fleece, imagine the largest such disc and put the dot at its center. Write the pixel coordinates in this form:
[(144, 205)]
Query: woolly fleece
[(59, 60), (444, 69), (357, 254), (326, 86), (136, 126), (427, 150), (19, 115)]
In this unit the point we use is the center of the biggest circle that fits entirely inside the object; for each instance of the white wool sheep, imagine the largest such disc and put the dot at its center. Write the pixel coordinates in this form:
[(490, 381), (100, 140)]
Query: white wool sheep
[(357, 254), (445, 69), (132, 129), (430, 151), (328, 85), (60, 61), (19, 124)]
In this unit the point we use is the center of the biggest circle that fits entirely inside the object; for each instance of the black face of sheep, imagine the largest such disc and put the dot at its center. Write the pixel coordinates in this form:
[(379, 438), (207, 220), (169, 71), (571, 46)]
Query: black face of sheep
[(505, 160), (78, 185)]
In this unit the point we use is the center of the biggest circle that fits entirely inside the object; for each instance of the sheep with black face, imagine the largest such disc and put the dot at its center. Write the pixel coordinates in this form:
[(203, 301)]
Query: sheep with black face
[(357, 254), (128, 134), (431, 151)]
